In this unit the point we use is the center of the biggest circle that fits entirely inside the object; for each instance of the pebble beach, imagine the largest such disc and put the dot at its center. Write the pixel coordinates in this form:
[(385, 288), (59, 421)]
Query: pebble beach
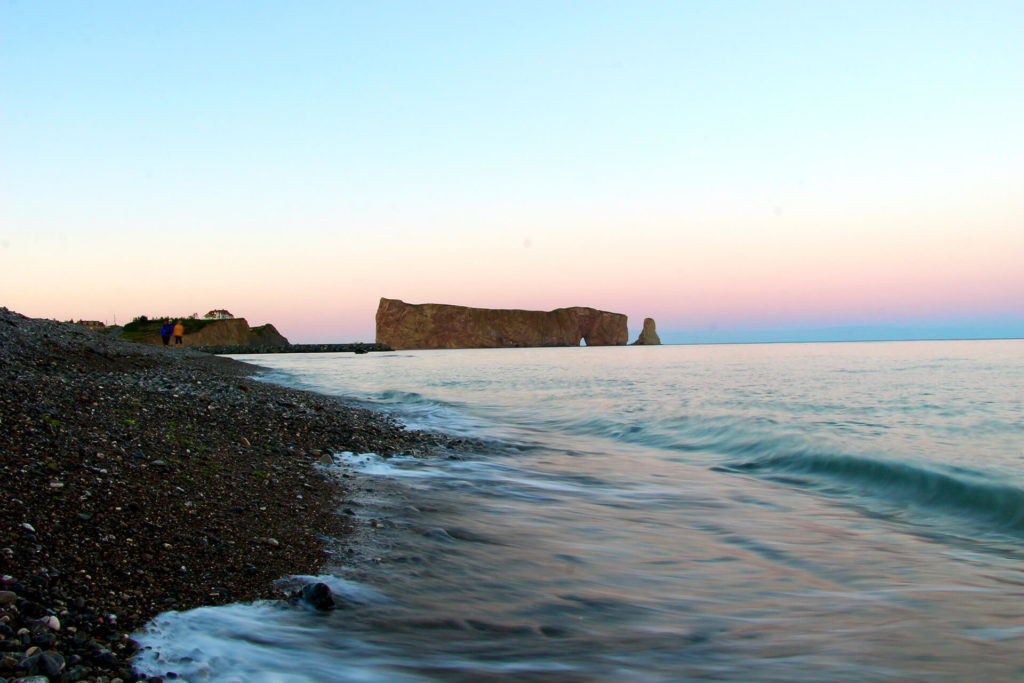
[(139, 479)]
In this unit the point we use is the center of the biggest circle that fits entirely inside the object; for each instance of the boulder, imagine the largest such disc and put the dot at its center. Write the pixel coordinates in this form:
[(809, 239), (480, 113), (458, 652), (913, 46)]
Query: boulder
[(318, 596), (648, 336), (444, 326)]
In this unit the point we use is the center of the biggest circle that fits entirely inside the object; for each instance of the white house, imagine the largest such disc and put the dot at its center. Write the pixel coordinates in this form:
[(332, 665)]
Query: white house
[(218, 314)]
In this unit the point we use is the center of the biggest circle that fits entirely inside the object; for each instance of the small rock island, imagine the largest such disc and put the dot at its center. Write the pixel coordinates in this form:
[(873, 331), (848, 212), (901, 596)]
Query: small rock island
[(649, 335)]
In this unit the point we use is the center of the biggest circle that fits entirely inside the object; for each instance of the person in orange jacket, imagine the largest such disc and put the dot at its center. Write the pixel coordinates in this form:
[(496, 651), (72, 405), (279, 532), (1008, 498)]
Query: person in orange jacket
[(179, 330)]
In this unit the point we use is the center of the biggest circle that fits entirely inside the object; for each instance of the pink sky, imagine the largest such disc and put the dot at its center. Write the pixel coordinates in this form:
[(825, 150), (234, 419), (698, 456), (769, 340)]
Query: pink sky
[(741, 272)]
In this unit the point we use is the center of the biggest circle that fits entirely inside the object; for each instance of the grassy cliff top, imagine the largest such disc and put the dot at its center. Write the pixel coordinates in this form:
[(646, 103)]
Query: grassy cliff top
[(146, 327)]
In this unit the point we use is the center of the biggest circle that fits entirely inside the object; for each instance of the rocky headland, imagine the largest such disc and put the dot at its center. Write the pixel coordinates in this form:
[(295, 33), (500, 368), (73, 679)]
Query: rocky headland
[(209, 333), (443, 326), (136, 479)]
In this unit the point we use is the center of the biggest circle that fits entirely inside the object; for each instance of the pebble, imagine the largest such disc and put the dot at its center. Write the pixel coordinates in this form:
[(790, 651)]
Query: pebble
[(45, 663), (7, 598)]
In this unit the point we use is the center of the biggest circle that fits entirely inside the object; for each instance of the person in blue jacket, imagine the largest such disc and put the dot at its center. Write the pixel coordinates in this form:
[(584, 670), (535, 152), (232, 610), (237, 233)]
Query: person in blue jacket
[(166, 330)]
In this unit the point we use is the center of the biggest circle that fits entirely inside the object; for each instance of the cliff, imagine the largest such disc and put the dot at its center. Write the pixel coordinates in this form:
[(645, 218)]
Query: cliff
[(266, 335), (649, 335), (443, 326), (234, 332)]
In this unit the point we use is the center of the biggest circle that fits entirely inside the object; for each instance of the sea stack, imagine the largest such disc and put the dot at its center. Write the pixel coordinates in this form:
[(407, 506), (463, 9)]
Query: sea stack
[(648, 336)]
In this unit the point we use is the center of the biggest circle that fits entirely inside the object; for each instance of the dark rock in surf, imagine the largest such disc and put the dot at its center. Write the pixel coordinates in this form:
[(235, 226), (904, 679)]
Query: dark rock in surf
[(318, 596)]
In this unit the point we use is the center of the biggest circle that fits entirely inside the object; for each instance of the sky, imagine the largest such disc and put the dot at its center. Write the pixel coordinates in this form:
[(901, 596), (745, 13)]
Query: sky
[(738, 171)]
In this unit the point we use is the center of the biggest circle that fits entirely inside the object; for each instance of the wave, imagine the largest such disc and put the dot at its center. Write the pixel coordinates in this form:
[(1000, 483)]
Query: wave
[(960, 493), (404, 398), (418, 412)]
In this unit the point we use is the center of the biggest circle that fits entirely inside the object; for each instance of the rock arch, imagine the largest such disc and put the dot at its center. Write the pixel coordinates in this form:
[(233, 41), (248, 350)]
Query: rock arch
[(444, 326)]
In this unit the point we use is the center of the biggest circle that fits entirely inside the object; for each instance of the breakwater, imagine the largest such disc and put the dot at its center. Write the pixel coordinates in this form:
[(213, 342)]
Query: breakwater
[(297, 348)]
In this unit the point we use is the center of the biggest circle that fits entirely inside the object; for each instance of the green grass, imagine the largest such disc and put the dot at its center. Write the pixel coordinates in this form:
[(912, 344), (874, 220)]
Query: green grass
[(144, 326)]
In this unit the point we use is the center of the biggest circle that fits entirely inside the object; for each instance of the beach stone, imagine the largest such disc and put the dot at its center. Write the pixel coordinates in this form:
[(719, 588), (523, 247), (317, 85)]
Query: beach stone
[(76, 673), (53, 663), (7, 598), (45, 639), (46, 663), (318, 596)]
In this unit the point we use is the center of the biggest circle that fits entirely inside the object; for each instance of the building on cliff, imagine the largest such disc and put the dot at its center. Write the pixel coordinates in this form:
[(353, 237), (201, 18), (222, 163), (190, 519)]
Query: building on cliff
[(219, 314)]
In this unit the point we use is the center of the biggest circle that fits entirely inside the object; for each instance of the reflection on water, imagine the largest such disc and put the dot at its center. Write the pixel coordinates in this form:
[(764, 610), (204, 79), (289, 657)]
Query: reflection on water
[(743, 527)]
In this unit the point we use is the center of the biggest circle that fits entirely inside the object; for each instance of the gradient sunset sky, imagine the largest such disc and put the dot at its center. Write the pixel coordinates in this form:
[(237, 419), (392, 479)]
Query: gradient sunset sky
[(739, 171)]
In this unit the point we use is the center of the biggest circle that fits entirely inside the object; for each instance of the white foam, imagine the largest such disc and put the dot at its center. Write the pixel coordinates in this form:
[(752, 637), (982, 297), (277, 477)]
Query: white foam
[(262, 642), (351, 591), (379, 466)]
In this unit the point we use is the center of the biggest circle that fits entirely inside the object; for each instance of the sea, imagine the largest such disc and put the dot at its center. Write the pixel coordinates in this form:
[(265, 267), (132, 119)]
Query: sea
[(761, 512)]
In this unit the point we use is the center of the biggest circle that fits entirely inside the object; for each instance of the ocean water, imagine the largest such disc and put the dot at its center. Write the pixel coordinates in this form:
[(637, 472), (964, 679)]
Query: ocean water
[(797, 512)]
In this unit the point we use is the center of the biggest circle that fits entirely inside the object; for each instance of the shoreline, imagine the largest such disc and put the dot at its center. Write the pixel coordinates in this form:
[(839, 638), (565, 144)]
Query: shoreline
[(140, 479)]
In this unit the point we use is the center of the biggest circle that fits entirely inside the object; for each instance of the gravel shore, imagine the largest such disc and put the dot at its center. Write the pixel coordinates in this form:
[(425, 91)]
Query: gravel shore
[(137, 479)]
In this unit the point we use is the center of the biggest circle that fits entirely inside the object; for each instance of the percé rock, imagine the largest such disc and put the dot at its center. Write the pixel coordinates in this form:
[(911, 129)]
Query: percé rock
[(234, 332), (443, 326), (648, 336)]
